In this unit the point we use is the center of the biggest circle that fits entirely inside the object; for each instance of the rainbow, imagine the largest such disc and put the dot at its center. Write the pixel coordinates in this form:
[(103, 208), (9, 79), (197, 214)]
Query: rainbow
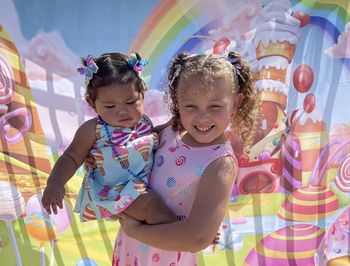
[(165, 31)]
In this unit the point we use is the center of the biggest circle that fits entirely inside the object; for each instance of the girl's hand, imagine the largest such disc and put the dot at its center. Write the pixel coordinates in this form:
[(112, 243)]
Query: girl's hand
[(90, 162), (216, 238), (128, 224), (53, 197)]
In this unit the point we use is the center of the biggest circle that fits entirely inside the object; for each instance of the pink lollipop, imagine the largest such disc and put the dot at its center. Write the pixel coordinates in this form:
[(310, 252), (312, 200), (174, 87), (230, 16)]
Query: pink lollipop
[(7, 82), (342, 180)]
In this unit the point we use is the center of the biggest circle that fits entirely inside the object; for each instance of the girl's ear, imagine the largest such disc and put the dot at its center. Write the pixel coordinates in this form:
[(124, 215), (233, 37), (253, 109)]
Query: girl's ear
[(237, 102), (90, 101)]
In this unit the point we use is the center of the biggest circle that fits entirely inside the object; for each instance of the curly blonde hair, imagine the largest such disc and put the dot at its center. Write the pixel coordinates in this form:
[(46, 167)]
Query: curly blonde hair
[(210, 67)]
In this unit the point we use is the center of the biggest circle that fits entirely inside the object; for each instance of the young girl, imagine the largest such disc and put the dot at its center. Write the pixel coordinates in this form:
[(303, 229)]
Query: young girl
[(194, 169), (121, 140)]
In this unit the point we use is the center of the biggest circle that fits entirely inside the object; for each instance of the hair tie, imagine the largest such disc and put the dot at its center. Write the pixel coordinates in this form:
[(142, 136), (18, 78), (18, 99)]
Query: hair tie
[(236, 63), (178, 67), (88, 69), (176, 73), (137, 63)]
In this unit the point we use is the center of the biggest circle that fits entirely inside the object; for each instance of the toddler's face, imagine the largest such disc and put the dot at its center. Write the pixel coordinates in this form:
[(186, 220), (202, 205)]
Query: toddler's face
[(119, 105), (206, 111)]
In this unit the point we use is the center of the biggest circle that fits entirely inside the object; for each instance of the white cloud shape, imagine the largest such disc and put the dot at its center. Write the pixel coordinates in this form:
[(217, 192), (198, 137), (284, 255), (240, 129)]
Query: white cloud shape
[(48, 52), (342, 48)]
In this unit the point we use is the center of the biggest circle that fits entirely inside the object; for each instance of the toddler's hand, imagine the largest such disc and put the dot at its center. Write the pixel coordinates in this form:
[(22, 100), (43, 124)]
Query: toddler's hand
[(53, 197)]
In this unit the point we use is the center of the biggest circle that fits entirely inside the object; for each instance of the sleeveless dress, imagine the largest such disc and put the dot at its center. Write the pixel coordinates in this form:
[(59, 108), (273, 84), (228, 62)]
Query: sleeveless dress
[(175, 176), (124, 159)]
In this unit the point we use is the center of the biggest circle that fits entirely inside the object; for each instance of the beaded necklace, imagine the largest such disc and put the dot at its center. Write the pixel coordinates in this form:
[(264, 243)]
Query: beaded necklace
[(113, 148)]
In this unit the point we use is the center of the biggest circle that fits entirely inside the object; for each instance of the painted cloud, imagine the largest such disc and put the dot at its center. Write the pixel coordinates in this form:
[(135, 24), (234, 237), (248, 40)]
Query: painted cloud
[(342, 48)]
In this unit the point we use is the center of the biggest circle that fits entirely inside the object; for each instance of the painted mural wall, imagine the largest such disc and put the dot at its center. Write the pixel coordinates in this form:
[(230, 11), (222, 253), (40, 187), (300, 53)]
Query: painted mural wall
[(290, 204)]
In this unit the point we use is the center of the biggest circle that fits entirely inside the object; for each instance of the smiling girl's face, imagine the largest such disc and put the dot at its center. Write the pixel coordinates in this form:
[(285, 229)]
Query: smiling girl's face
[(119, 105), (206, 111)]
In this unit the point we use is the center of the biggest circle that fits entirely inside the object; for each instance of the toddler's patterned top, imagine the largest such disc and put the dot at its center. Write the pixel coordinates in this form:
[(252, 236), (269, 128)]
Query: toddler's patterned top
[(175, 176), (124, 159)]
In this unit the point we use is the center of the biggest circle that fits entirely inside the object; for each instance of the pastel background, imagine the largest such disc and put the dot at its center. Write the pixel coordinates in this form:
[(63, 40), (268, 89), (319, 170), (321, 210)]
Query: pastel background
[(293, 184)]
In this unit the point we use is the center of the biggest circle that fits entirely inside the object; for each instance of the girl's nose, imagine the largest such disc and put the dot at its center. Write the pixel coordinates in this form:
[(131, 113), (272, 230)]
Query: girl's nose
[(203, 115)]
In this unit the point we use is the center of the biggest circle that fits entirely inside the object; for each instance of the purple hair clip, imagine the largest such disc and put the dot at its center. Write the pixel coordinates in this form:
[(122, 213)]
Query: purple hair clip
[(89, 68), (137, 63)]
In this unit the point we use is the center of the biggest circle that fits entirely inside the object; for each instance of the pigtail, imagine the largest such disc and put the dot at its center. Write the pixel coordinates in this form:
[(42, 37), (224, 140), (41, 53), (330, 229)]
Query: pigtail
[(174, 73), (246, 119)]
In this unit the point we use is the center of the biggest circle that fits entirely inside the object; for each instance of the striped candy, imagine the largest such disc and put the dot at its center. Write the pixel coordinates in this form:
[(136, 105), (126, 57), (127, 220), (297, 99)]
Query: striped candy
[(291, 245), (309, 203)]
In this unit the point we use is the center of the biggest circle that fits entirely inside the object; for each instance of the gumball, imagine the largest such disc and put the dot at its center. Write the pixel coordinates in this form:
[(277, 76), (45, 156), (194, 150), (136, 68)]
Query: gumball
[(221, 45), (264, 155), (309, 103), (276, 142), (303, 78), (304, 18)]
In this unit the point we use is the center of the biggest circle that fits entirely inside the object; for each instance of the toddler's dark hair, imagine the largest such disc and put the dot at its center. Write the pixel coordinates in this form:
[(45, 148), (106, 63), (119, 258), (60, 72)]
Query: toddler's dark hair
[(113, 69)]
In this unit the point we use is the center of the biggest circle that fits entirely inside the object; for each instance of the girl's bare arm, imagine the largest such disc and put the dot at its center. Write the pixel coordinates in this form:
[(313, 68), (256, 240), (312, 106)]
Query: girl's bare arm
[(208, 211)]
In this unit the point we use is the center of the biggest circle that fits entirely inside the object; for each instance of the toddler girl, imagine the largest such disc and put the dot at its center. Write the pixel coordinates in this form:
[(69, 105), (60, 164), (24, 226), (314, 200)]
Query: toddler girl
[(122, 141)]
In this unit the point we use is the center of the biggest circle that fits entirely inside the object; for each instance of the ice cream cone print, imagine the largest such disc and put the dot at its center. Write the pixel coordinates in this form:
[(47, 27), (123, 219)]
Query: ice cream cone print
[(103, 194), (104, 212), (89, 214), (145, 153), (143, 147), (121, 156), (139, 185), (99, 161)]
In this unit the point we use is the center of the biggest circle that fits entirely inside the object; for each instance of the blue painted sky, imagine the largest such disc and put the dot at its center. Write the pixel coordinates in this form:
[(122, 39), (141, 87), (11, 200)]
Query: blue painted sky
[(86, 26)]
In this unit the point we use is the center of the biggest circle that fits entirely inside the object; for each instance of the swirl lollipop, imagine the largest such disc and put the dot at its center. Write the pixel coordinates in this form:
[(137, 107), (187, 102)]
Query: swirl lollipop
[(42, 226), (342, 180), (7, 85), (12, 207)]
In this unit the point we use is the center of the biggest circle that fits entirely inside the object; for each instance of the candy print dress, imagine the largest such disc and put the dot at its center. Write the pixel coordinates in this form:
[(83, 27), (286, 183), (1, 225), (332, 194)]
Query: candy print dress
[(124, 160), (175, 176)]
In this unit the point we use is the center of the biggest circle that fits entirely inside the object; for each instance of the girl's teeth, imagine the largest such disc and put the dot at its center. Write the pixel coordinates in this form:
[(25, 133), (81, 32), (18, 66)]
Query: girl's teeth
[(203, 128)]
